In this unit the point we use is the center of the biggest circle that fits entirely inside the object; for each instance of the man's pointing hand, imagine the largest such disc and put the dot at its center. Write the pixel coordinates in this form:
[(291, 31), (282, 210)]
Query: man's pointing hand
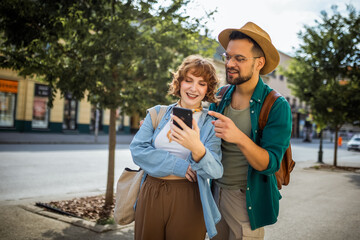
[(225, 128)]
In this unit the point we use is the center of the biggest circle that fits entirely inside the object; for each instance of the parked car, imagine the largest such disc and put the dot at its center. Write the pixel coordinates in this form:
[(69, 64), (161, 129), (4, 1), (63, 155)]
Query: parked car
[(354, 143)]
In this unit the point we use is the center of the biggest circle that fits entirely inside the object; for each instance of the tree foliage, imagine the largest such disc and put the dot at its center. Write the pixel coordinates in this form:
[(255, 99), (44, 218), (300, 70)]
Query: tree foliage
[(118, 53), (325, 71)]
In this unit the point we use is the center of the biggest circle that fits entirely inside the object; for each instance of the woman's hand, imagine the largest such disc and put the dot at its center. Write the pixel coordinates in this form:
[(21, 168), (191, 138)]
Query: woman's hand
[(191, 175), (188, 138)]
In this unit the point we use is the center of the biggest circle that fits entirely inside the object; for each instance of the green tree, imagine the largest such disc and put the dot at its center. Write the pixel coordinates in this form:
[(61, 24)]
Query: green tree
[(325, 71), (118, 53)]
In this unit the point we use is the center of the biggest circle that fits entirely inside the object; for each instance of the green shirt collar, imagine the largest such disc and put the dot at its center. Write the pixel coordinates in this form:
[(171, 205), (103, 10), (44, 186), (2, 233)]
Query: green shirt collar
[(258, 94)]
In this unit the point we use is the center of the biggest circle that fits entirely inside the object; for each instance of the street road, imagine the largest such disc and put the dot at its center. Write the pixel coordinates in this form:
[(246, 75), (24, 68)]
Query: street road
[(307, 153), (46, 172), (56, 171)]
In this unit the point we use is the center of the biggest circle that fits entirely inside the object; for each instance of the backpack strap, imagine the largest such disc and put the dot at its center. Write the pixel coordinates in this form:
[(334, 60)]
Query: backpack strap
[(155, 116), (287, 163), (222, 93), (266, 107)]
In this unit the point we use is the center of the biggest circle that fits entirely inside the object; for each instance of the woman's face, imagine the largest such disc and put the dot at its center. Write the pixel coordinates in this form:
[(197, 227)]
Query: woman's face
[(192, 91)]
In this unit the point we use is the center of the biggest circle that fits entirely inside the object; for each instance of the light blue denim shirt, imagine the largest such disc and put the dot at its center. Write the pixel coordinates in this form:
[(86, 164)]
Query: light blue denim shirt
[(161, 163)]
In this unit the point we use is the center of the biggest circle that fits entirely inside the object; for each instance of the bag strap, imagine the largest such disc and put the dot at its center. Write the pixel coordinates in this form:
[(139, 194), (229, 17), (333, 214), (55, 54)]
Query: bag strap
[(266, 107), (155, 116), (222, 93)]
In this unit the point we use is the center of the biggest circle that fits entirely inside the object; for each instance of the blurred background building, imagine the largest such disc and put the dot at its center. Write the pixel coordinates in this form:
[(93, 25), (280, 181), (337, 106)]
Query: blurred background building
[(23, 108)]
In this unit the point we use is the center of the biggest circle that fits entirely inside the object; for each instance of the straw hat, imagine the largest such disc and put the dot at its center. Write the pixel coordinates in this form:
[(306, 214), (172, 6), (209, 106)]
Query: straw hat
[(252, 30)]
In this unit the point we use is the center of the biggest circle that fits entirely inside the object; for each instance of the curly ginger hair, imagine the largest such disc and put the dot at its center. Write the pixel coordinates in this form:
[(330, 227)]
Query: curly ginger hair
[(199, 67)]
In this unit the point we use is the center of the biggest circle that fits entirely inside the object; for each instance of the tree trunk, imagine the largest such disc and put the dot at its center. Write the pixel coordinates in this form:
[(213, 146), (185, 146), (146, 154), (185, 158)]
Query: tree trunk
[(109, 196), (336, 146)]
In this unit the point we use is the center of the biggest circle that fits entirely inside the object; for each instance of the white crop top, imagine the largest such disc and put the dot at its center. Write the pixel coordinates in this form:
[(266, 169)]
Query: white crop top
[(162, 141)]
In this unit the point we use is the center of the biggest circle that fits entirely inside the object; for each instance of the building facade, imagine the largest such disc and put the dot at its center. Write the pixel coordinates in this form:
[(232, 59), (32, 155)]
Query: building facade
[(23, 108)]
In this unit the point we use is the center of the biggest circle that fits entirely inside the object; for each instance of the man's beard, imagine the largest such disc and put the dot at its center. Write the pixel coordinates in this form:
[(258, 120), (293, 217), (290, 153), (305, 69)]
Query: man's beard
[(240, 79)]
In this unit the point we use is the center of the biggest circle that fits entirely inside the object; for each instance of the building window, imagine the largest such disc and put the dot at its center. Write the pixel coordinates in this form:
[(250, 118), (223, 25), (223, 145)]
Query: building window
[(273, 74), (8, 92), (96, 112), (119, 120), (70, 113), (40, 107)]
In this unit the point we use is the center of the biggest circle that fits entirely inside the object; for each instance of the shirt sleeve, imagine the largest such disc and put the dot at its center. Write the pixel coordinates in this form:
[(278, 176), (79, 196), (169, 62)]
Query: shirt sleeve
[(156, 162), (276, 134)]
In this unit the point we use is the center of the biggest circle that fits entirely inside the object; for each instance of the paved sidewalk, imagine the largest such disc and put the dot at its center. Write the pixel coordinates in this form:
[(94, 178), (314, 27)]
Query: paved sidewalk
[(60, 138), (82, 138)]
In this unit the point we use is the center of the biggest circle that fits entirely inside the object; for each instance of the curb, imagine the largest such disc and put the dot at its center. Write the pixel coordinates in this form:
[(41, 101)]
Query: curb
[(75, 221), (332, 170)]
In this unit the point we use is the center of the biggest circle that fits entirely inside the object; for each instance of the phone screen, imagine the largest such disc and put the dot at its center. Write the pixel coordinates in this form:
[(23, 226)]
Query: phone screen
[(184, 114)]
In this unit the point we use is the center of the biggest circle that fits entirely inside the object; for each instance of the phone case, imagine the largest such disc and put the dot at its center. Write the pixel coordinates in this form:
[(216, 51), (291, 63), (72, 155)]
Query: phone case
[(184, 114)]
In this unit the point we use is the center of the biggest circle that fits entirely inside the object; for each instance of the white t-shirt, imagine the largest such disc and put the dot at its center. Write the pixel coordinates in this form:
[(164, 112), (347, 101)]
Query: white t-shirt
[(162, 141)]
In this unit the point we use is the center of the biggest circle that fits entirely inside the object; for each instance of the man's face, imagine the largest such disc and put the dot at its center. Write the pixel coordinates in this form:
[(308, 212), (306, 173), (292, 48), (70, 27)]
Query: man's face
[(239, 61)]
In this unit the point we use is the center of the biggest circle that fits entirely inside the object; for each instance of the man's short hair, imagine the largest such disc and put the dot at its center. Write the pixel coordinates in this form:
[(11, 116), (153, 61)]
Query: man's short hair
[(256, 49)]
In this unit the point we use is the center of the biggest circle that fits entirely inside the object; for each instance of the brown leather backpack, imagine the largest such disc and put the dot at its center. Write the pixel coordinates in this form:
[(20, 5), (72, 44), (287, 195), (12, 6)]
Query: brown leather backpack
[(287, 163)]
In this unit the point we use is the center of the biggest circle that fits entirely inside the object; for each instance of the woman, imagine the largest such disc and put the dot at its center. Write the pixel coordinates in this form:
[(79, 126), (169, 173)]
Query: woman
[(175, 200)]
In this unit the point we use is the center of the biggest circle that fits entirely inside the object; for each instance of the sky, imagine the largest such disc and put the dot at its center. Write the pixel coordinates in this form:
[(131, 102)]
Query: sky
[(281, 19)]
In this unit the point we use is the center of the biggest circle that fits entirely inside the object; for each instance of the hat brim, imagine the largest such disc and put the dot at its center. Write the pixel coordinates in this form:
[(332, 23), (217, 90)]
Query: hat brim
[(272, 57)]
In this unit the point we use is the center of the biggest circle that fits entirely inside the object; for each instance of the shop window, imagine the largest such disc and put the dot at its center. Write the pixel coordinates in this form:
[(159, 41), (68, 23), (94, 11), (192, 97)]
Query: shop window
[(40, 107), (8, 92), (70, 112), (7, 109)]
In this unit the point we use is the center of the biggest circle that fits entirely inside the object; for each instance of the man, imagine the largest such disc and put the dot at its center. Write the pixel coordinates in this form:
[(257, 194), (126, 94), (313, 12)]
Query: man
[(247, 194)]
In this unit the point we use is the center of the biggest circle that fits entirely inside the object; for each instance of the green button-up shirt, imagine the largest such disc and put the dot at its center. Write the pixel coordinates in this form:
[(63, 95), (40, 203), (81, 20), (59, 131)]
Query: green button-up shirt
[(262, 195)]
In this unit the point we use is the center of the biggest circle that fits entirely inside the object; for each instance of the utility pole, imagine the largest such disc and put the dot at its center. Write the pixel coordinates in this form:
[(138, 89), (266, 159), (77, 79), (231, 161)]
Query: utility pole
[(320, 155), (97, 113)]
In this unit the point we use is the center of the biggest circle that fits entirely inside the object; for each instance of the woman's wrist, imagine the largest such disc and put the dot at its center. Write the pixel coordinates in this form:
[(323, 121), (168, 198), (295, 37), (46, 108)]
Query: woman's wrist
[(198, 153)]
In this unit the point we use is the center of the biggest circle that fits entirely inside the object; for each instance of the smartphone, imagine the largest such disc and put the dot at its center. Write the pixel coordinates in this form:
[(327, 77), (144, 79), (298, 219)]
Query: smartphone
[(184, 114)]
